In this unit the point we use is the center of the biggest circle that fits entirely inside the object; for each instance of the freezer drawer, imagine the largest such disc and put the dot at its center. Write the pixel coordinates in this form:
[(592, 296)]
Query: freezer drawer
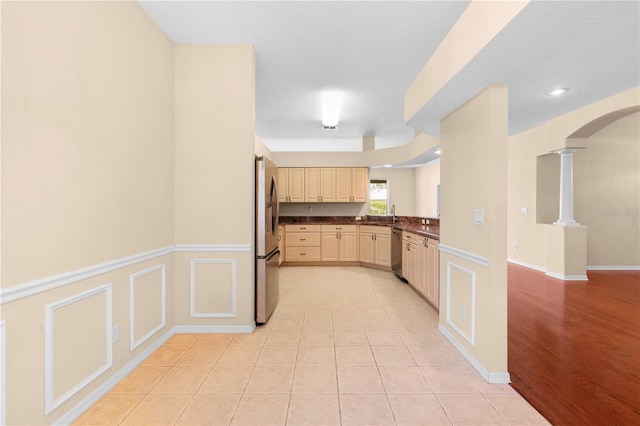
[(267, 286)]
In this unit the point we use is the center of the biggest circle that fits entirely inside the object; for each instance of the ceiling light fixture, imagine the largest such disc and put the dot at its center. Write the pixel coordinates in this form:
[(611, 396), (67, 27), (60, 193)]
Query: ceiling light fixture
[(331, 103), (558, 92), (437, 151)]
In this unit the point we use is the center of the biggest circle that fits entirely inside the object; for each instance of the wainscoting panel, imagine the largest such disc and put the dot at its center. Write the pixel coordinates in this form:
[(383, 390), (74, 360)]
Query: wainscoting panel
[(213, 288), (461, 300), (76, 352), (147, 304)]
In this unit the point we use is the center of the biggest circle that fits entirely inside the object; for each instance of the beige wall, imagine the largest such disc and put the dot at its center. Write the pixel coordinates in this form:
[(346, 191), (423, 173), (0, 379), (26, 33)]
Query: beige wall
[(427, 178), (607, 193), (527, 242), (215, 143), (87, 146), (606, 175), (215, 146), (87, 174), (473, 176)]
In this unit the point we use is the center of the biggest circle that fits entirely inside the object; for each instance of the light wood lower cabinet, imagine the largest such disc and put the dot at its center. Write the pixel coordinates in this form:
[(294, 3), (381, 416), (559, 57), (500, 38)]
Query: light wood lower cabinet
[(421, 265), (375, 245), (339, 243), (302, 243), (433, 272), (411, 260), (281, 243)]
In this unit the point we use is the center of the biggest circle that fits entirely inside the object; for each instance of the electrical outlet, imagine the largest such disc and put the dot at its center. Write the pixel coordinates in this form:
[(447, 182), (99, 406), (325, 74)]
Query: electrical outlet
[(463, 312), (115, 333), (358, 217)]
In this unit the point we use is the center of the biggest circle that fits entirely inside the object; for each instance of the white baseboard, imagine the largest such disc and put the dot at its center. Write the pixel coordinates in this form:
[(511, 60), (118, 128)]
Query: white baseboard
[(86, 403), (493, 378), (526, 265), (214, 329), (567, 277), (612, 268)]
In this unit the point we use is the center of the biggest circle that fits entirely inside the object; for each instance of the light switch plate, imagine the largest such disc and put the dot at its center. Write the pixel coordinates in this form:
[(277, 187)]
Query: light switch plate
[(478, 217), (524, 210)]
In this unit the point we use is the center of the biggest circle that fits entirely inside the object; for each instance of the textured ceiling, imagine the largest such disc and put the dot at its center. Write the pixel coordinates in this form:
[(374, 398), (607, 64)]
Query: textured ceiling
[(373, 50)]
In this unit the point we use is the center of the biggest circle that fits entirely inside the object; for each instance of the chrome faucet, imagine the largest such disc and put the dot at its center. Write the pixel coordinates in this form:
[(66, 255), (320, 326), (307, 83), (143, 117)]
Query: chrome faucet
[(393, 213)]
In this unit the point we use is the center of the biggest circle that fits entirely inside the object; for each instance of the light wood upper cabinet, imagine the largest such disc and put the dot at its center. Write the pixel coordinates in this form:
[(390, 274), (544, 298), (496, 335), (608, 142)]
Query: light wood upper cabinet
[(360, 184), (352, 184), (343, 184), (312, 185), (320, 184), (283, 185), (323, 184), (328, 184), (291, 185)]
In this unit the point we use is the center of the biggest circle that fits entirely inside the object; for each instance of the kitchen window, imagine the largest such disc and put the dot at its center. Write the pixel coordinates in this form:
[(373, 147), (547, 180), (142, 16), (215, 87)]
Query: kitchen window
[(378, 197)]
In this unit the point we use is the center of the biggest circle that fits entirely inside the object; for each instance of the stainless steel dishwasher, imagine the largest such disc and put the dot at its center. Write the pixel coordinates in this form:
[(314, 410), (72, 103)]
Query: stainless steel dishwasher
[(396, 252)]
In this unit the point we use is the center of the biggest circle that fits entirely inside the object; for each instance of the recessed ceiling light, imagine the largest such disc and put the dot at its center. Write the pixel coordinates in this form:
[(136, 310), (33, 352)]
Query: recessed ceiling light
[(387, 165), (557, 92)]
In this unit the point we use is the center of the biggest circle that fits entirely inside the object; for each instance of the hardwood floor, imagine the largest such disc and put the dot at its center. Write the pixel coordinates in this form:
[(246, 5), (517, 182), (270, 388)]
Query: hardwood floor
[(574, 347)]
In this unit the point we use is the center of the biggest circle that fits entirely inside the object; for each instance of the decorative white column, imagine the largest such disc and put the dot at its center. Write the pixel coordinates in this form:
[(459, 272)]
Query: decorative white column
[(566, 187)]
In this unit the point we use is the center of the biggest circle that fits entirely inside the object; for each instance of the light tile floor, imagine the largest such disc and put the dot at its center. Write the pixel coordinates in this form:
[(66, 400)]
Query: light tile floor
[(346, 345)]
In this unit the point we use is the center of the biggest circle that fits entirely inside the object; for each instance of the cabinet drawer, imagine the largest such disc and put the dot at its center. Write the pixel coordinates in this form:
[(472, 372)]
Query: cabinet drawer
[(301, 254), (338, 228), (302, 239), (303, 228), (410, 236), (376, 229)]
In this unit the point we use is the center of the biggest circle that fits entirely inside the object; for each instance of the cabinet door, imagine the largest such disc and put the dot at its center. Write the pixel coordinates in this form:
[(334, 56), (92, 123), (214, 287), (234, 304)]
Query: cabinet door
[(414, 266), (423, 269), (343, 184), (348, 246), (281, 243), (283, 185), (383, 249), (311, 185), (366, 247), (296, 185), (360, 184), (327, 185), (330, 246), (433, 282), (406, 259)]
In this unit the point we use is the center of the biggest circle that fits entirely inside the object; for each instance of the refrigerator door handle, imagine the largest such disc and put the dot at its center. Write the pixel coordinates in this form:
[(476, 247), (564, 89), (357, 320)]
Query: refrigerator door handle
[(275, 206)]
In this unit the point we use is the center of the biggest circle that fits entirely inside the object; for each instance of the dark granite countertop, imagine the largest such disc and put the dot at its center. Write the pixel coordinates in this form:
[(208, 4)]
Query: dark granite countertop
[(405, 223)]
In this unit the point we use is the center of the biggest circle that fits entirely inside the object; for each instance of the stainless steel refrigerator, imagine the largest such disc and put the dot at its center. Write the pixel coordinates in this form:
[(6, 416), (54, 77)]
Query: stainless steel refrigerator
[(267, 253)]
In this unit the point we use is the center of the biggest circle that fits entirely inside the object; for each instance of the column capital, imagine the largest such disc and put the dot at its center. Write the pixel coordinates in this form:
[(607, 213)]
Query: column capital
[(566, 150)]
